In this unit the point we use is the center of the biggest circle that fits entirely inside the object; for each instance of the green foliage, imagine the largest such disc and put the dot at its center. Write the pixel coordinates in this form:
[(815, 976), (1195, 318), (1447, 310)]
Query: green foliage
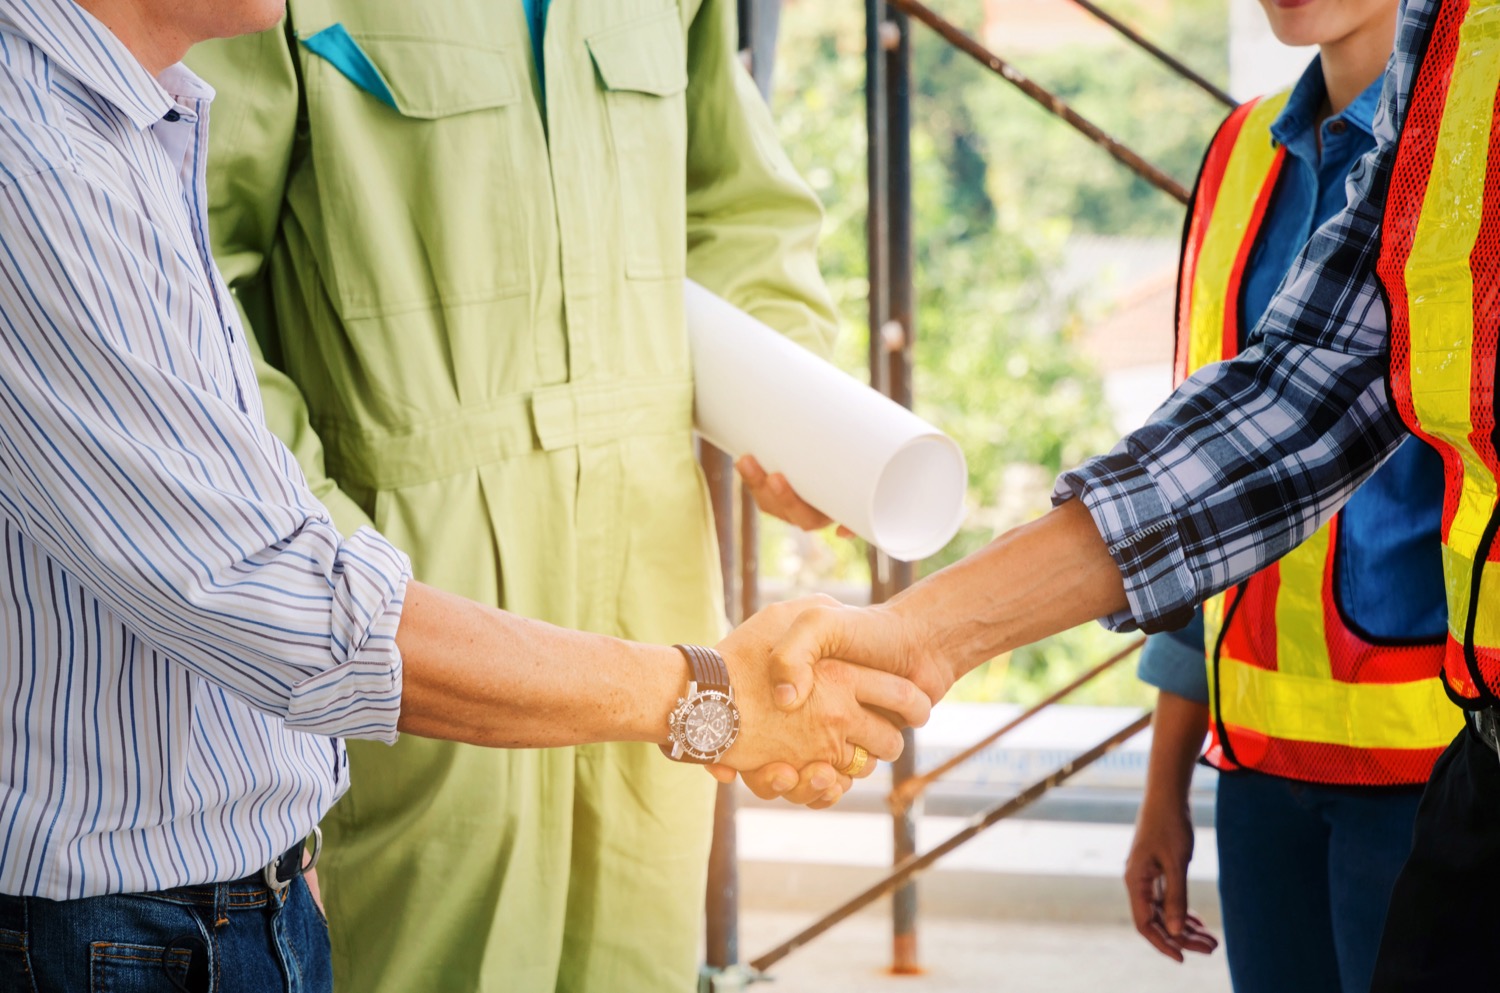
[(1050, 172), (998, 186)]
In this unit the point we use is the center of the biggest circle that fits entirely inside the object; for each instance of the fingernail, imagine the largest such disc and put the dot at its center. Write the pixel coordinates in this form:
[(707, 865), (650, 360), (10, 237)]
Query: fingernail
[(786, 694), (821, 781), (783, 782)]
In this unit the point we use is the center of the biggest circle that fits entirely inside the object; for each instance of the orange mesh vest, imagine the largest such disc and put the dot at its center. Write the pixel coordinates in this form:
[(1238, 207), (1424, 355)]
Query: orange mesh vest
[(1440, 266), (1294, 690)]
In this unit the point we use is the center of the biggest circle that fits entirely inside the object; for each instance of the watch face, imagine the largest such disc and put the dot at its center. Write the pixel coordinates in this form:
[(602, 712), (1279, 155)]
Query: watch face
[(705, 725)]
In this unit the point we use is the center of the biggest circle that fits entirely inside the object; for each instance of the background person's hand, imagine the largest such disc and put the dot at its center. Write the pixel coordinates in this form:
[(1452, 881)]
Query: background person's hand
[(1156, 882), (837, 713), (775, 496)]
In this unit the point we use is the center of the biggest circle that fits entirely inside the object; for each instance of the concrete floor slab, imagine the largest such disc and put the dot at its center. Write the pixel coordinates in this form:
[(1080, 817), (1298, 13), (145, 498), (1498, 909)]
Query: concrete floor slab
[(977, 957), (1026, 871)]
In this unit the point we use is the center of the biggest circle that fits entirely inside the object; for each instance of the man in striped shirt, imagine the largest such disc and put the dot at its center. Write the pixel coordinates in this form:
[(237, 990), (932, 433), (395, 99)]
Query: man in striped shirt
[(184, 636)]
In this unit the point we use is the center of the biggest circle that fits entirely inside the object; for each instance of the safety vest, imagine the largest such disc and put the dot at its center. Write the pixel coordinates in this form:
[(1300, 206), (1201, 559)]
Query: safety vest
[(1295, 691), (1440, 267)]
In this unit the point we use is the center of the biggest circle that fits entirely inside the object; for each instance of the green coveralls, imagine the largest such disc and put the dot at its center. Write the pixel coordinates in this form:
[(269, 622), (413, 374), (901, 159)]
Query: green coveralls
[(471, 312)]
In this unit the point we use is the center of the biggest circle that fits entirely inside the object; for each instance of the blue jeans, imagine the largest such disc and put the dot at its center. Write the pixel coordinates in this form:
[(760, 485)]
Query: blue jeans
[(1305, 876), (227, 938)]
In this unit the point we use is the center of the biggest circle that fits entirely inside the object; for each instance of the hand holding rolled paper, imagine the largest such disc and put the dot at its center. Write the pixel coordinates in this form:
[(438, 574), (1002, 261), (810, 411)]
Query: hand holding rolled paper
[(856, 456), (775, 496)]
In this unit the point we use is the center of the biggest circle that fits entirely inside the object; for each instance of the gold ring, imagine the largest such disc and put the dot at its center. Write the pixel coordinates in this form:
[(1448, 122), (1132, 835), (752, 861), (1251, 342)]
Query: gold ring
[(857, 764)]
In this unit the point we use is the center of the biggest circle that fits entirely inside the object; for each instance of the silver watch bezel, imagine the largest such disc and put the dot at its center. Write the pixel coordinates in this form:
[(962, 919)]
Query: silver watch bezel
[(677, 723)]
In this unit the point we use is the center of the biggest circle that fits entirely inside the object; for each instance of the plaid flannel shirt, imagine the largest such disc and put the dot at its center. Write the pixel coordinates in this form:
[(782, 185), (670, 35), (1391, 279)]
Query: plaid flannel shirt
[(1250, 456)]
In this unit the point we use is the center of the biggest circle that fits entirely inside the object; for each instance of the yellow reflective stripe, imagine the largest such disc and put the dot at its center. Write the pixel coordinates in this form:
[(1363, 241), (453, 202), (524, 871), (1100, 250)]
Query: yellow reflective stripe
[(1327, 711), (1213, 623), (1440, 288), (1456, 576), (1458, 571), (1301, 642), (1487, 621), (1249, 163)]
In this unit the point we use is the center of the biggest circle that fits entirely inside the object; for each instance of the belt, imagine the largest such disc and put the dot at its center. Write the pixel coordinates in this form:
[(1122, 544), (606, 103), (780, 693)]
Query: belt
[(1486, 724), (280, 871)]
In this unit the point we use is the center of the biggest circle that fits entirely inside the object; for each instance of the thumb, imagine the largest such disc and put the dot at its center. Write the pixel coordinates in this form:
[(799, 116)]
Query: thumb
[(866, 636), (815, 635), (793, 678)]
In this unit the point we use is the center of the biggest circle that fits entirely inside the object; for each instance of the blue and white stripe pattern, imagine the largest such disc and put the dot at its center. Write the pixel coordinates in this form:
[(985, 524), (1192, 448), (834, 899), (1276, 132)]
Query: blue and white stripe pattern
[(183, 631)]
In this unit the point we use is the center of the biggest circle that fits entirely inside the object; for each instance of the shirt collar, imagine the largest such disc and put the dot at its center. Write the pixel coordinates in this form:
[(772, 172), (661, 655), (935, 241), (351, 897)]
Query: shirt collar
[(83, 47), (1300, 114)]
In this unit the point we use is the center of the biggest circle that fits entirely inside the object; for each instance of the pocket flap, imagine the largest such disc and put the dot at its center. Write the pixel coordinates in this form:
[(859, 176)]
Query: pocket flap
[(646, 55), (423, 77)]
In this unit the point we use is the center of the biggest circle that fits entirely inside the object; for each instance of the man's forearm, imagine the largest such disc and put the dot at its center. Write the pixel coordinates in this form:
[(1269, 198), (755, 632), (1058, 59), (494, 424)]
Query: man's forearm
[(1034, 581), (487, 677), (484, 676)]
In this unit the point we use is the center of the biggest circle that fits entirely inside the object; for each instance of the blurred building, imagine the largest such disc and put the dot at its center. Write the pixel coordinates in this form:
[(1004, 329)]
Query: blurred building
[(1020, 26)]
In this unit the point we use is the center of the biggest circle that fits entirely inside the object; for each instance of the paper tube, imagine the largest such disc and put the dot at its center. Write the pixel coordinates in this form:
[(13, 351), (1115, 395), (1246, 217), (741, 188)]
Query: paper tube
[(862, 459)]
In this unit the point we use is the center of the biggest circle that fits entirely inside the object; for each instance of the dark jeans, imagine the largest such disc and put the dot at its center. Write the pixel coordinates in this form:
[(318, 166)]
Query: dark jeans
[(1305, 876), (1444, 924), (227, 938)]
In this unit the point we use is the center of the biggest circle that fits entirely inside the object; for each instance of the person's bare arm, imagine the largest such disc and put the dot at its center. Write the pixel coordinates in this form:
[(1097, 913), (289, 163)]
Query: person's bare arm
[(488, 677), (1156, 869), (1031, 582)]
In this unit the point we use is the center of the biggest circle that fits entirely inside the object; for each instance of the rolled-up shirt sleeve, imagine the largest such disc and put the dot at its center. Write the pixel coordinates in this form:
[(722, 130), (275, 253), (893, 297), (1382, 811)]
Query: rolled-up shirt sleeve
[(1248, 457), (132, 451)]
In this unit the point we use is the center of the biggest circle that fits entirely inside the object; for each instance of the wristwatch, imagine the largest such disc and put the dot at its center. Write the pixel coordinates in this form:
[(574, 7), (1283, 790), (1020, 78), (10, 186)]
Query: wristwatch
[(706, 721)]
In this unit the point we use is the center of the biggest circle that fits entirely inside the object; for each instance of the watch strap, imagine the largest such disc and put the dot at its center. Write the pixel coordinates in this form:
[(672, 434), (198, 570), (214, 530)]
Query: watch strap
[(708, 667)]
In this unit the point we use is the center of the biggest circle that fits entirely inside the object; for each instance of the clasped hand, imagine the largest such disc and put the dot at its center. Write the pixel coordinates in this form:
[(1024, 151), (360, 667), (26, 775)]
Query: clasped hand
[(814, 679)]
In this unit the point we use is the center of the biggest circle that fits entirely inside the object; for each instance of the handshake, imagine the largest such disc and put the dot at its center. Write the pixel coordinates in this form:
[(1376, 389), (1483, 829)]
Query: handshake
[(821, 689)]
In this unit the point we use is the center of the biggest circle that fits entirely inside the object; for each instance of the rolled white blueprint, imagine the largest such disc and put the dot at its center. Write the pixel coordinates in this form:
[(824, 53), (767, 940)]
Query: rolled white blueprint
[(862, 459)]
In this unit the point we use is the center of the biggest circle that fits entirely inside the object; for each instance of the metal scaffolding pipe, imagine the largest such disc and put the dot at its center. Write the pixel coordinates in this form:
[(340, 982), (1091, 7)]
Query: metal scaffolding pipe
[(911, 866), (904, 794), (1049, 101), (891, 367)]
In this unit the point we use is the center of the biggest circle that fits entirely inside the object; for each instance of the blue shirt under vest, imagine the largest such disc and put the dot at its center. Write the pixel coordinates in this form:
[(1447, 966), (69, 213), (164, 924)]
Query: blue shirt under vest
[(1389, 567)]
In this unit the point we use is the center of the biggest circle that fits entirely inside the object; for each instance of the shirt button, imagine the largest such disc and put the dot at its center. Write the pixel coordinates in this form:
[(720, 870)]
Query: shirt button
[(172, 117), (1338, 127)]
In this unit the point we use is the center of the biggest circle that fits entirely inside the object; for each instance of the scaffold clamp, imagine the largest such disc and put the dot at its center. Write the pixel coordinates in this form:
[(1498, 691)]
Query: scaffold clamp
[(729, 979)]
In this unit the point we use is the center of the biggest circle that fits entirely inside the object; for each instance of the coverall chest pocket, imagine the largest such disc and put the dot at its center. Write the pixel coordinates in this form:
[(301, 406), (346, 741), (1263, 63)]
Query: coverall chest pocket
[(642, 67), (415, 165)]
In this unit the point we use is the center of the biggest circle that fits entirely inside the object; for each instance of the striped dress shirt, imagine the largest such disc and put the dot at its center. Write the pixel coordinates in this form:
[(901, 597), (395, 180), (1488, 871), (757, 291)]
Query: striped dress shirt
[(184, 633)]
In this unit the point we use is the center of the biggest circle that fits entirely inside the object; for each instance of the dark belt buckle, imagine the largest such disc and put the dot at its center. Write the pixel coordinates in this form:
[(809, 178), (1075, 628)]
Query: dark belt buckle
[(280, 872)]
